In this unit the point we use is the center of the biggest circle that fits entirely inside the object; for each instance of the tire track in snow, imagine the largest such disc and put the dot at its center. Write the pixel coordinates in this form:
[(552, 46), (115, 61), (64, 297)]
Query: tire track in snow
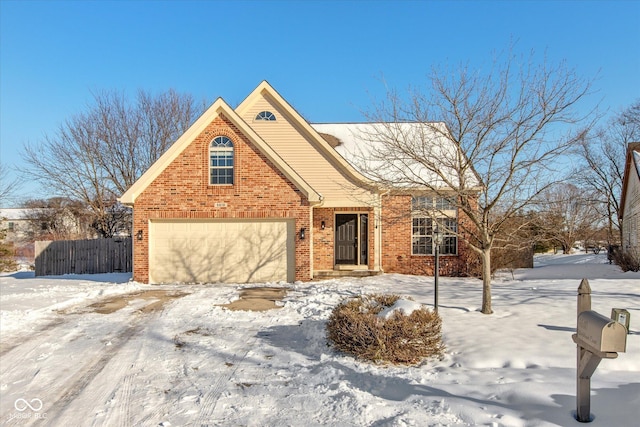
[(124, 399), (76, 387), (212, 396), (6, 347), (81, 378), (66, 382)]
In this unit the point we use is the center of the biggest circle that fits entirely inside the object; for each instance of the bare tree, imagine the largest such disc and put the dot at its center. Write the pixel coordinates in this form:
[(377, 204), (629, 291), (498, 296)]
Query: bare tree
[(506, 127), (7, 187), (97, 155), (568, 215), (601, 169)]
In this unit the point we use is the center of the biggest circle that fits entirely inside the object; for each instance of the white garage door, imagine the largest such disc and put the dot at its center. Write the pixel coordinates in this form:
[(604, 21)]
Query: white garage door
[(221, 251)]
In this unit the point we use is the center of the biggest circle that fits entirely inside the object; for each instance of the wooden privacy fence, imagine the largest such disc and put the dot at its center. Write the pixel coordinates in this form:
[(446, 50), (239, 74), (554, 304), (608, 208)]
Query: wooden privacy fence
[(83, 256)]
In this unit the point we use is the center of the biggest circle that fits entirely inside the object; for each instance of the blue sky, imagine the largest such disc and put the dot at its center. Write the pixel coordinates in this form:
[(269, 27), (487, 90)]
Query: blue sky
[(327, 58)]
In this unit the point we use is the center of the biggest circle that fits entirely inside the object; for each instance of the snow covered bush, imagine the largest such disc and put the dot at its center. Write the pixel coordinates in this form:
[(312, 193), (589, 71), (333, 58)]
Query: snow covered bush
[(385, 329)]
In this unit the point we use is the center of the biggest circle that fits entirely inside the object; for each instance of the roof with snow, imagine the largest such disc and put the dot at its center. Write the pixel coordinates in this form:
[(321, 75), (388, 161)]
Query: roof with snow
[(367, 147), (15, 214)]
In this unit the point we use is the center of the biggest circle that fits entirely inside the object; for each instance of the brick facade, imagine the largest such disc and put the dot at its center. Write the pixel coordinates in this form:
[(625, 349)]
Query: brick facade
[(182, 191), (280, 172), (396, 243)]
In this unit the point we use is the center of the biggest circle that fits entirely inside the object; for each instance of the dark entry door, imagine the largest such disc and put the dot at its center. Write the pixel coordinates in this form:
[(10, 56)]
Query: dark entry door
[(347, 239)]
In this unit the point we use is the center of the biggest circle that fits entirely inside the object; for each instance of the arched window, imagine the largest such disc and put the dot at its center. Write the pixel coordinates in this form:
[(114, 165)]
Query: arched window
[(221, 161), (266, 115)]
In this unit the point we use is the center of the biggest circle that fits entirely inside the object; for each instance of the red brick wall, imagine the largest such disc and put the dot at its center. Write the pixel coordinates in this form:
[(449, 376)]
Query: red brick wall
[(182, 191), (396, 243), (323, 239)]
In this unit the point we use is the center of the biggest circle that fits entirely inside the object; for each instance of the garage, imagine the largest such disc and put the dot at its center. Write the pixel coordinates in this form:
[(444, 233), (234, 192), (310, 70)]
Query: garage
[(227, 251)]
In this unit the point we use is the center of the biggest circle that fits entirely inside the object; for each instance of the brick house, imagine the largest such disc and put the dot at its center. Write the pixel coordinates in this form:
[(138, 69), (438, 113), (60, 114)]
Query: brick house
[(258, 194)]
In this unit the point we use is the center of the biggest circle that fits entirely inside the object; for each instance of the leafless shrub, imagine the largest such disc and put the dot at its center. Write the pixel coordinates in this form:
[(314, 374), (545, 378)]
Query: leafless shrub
[(355, 328), (627, 260)]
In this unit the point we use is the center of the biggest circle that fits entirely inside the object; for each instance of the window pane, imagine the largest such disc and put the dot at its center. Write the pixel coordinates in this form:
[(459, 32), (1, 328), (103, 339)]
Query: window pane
[(451, 226), (221, 161), (265, 115), (421, 203), (444, 203), (449, 245), (422, 236), (221, 176)]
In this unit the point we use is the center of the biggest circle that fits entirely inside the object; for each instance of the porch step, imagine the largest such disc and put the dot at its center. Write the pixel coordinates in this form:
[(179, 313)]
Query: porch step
[(332, 274)]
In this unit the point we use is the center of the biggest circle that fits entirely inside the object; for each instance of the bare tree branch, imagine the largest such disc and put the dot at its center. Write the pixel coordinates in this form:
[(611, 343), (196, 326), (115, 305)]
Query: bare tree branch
[(7, 187)]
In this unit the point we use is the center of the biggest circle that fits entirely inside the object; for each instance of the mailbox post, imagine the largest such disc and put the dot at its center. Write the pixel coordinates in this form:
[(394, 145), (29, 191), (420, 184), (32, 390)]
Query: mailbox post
[(597, 338)]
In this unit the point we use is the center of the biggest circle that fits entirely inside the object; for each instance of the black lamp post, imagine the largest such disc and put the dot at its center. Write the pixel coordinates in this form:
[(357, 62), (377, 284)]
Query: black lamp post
[(437, 240)]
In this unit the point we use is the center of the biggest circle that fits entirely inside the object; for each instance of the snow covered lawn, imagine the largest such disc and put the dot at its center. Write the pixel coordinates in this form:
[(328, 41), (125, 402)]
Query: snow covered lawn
[(186, 361)]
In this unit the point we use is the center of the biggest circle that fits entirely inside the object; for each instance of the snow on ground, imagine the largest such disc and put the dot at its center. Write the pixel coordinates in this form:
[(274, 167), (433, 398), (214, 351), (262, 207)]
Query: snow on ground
[(192, 362)]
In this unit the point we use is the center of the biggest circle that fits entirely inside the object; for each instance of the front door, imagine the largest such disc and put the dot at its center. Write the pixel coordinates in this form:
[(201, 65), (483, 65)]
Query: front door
[(347, 244)]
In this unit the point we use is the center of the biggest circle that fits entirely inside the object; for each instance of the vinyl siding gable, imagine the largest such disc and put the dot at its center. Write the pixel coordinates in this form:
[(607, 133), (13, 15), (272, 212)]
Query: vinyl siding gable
[(299, 150)]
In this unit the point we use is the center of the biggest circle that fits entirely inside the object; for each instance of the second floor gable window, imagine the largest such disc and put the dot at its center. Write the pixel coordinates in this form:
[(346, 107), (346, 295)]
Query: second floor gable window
[(221, 161)]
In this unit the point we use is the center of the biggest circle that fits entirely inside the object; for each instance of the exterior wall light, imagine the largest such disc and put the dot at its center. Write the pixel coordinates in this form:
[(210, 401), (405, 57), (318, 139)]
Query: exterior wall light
[(302, 231), (322, 225), (139, 235)]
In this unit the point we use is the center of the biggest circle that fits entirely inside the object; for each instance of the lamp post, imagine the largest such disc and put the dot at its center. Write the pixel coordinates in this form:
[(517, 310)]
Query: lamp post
[(437, 240)]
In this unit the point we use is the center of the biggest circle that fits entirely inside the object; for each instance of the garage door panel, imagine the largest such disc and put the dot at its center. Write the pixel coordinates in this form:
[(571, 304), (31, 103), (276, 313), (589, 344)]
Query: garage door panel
[(223, 251)]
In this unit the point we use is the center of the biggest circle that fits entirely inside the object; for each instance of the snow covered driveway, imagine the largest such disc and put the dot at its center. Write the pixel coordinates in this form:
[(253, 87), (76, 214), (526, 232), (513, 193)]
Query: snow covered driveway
[(82, 356)]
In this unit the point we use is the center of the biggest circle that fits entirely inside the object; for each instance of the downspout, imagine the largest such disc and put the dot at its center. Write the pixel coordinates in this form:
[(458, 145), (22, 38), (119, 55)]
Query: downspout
[(378, 235), (311, 233)]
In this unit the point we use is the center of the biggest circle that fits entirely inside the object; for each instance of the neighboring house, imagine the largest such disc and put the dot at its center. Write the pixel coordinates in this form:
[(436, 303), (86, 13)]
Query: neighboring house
[(28, 224), (630, 201), (16, 223), (258, 194)]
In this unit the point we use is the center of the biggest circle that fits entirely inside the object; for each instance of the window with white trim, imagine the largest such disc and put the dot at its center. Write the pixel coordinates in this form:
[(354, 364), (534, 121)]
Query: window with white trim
[(221, 161), (427, 212), (266, 115)]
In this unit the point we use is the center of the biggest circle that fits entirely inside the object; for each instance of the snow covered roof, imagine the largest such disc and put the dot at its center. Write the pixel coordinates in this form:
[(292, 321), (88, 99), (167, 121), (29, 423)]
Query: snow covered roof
[(365, 146), (15, 214)]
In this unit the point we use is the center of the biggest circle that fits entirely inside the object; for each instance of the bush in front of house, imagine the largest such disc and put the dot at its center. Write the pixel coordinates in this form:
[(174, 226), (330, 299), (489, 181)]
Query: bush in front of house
[(628, 260), (356, 328), (7, 253)]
